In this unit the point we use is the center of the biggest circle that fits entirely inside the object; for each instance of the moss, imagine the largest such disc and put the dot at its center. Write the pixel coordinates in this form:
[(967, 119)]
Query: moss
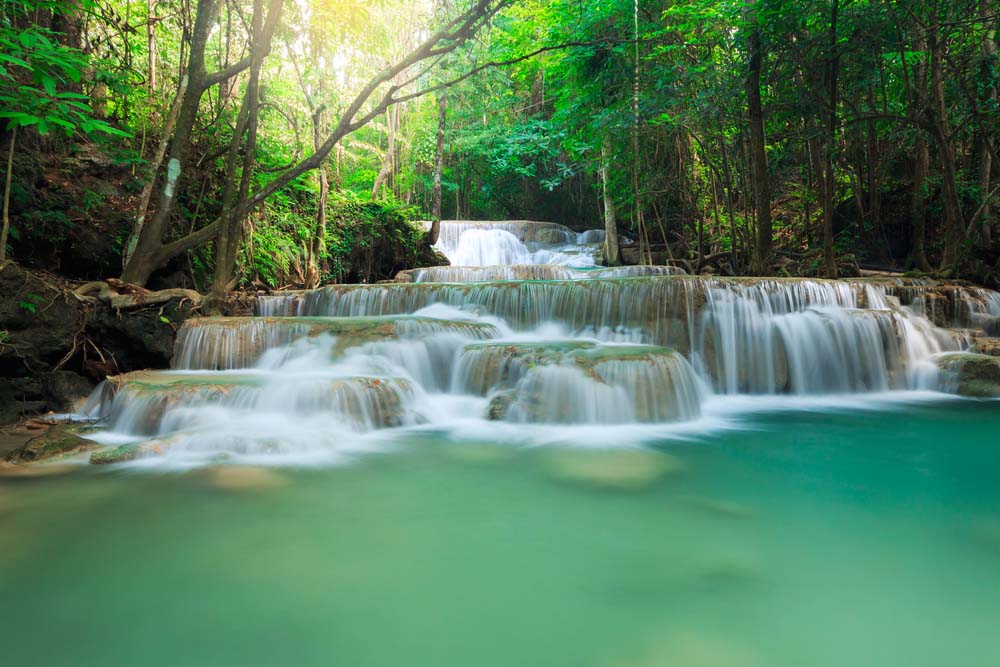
[(971, 374), (58, 441), (133, 451), (118, 454)]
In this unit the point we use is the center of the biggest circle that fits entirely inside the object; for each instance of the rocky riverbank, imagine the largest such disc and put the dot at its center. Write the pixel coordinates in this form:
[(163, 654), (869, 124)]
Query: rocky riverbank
[(58, 339)]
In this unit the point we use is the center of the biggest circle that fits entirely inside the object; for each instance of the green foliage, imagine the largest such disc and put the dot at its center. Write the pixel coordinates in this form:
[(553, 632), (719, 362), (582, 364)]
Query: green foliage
[(30, 303), (368, 241), (36, 72)]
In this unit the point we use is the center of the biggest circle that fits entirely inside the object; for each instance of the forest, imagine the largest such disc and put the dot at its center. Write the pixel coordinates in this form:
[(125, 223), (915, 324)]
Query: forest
[(224, 144)]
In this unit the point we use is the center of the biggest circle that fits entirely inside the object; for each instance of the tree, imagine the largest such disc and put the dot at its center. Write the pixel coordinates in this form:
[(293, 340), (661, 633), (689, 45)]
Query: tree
[(151, 252), (758, 156)]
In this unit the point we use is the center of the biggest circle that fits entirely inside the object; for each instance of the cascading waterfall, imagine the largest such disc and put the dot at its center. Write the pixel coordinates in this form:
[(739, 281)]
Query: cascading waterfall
[(508, 242), (322, 373)]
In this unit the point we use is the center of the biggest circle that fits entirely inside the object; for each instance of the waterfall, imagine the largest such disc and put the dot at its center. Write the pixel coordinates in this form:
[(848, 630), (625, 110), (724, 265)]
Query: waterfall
[(319, 373), (509, 242), (482, 274)]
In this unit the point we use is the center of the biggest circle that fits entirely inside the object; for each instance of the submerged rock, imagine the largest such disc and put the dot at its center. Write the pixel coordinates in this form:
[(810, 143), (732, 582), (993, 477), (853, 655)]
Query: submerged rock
[(970, 374), (245, 478), (134, 450), (621, 469), (59, 441)]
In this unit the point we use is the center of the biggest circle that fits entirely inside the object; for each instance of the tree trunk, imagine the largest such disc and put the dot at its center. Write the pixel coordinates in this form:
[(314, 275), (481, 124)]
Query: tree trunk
[(372, 100), (317, 250), (438, 169), (6, 196), (233, 198), (918, 204), (151, 45), (761, 263), (154, 169), (829, 177), (388, 164), (150, 252), (611, 250), (727, 192), (985, 154), (954, 232), (149, 238), (921, 164)]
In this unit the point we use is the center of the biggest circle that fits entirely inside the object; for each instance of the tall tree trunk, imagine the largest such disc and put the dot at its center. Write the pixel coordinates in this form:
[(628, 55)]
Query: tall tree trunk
[(761, 263), (918, 203), (154, 169), (317, 249), (373, 99), (727, 191), (985, 154), (829, 177), (388, 163), (6, 195), (233, 197), (611, 247), (151, 45), (149, 237), (954, 231), (150, 253), (438, 169), (921, 160)]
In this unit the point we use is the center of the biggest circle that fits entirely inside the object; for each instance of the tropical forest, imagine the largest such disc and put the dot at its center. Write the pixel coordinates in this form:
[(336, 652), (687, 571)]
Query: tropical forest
[(474, 333)]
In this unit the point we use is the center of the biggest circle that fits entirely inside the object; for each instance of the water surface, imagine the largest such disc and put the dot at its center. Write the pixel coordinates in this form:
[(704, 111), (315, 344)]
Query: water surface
[(810, 537)]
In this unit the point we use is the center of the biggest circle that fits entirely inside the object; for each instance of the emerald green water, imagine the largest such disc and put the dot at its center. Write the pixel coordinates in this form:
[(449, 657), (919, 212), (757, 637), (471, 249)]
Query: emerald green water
[(802, 538)]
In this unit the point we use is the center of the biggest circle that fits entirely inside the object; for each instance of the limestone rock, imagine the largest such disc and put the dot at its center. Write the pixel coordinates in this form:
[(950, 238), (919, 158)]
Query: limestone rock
[(57, 442), (987, 346), (970, 374)]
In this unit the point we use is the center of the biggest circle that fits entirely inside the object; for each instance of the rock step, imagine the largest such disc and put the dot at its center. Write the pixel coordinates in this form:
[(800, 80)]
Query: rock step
[(580, 382), (226, 343), (141, 403), (970, 374), (480, 274)]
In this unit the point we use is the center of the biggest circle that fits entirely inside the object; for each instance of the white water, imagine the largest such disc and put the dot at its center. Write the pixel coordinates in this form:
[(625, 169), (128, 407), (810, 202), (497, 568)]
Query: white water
[(608, 357), (505, 243)]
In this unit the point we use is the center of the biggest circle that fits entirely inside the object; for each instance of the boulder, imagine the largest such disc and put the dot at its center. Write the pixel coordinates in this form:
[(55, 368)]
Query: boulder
[(987, 346), (59, 441), (970, 374)]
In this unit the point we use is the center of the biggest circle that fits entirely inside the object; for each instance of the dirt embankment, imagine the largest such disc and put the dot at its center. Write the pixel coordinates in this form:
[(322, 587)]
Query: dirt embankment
[(58, 339)]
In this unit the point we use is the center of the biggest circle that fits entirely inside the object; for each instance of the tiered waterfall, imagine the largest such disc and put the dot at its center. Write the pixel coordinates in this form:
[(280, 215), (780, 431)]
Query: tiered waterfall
[(525, 335)]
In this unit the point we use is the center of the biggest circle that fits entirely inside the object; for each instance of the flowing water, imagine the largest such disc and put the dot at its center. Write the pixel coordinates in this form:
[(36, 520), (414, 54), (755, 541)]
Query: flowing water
[(532, 464)]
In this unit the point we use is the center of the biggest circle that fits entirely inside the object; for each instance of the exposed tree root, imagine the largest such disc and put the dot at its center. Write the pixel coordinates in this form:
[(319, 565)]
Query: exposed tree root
[(123, 296)]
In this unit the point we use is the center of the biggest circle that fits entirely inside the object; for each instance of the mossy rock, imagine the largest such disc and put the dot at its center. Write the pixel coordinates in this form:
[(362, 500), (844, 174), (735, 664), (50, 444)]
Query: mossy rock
[(987, 346), (500, 358), (59, 441), (132, 451), (971, 374), (499, 405)]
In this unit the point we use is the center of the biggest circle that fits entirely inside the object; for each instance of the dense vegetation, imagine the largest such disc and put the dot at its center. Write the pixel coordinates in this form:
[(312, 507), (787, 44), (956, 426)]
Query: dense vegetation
[(213, 143)]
